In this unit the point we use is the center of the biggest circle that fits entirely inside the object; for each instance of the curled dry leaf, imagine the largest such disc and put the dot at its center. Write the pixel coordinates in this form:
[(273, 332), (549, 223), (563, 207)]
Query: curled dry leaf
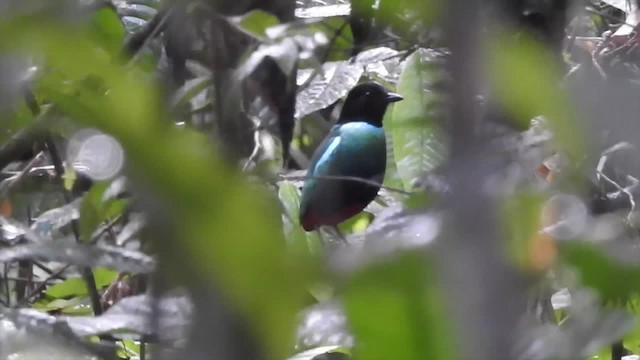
[(333, 81)]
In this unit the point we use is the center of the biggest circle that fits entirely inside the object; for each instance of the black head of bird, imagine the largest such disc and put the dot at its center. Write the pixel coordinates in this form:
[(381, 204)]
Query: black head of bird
[(367, 102)]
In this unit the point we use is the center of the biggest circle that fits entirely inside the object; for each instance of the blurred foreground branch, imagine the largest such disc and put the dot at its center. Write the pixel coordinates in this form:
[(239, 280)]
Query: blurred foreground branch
[(485, 295)]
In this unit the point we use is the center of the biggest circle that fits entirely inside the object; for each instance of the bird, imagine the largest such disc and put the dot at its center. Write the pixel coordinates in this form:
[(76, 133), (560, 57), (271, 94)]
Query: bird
[(354, 147)]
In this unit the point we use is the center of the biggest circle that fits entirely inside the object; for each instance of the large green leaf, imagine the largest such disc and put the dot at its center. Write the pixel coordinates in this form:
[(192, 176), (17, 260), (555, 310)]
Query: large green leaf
[(77, 287), (256, 22), (396, 312), (391, 176), (107, 30), (526, 83), (416, 135), (612, 278), (528, 249)]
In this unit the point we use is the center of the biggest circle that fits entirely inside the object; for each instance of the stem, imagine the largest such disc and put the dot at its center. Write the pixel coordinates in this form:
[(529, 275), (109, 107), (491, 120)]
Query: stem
[(86, 272)]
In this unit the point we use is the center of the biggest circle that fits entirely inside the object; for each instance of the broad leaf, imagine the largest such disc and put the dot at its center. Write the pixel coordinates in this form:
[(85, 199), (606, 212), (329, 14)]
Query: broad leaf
[(417, 137), (326, 87), (76, 287), (614, 277), (107, 30), (406, 319), (333, 81), (525, 79), (256, 22)]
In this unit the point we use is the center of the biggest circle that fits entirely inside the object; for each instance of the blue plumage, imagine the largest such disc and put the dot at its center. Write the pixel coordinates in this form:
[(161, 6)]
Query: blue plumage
[(354, 147)]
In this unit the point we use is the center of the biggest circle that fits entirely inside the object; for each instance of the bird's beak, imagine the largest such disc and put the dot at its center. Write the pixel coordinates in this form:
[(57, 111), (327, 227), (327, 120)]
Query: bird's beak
[(393, 97)]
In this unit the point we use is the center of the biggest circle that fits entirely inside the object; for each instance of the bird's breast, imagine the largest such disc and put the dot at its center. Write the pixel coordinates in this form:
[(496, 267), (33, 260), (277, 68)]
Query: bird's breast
[(363, 147)]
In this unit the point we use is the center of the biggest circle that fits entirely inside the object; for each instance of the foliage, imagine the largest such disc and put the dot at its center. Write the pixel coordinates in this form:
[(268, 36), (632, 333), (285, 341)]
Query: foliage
[(150, 169)]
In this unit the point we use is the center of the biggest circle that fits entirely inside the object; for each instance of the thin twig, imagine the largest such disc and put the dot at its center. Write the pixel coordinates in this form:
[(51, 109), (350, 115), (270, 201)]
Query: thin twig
[(6, 284), (15, 180), (108, 227), (318, 69), (624, 190), (18, 278), (139, 41), (42, 286), (20, 143), (587, 38), (348, 178), (256, 150), (49, 271)]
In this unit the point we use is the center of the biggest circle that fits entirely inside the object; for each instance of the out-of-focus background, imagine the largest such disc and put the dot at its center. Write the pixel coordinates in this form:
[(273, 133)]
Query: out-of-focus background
[(152, 154)]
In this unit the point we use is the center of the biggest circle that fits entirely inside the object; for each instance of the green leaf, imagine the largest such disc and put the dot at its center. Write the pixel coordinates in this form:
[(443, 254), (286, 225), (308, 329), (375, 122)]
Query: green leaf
[(57, 304), (357, 223), (416, 136), (256, 22), (302, 242), (396, 312), (70, 287), (632, 339), (104, 277), (391, 177), (93, 210), (75, 287), (526, 83), (613, 279), (107, 30), (128, 349), (526, 245)]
